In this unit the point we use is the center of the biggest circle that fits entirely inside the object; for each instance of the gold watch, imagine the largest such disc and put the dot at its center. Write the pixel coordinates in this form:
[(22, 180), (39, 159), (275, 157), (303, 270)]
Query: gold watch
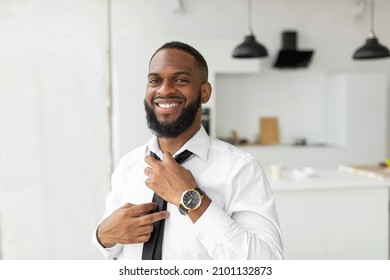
[(190, 200)]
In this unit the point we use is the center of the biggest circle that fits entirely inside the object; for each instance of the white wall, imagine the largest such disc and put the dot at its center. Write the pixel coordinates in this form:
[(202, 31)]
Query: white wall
[(296, 97), (330, 27), (55, 157), (54, 127)]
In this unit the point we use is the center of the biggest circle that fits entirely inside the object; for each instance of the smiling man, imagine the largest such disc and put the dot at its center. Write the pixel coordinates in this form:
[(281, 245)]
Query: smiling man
[(184, 194)]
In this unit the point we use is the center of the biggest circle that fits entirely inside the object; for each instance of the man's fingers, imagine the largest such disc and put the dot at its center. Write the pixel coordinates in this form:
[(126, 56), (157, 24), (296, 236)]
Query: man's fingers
[(147, 171), (167, 156), (151, 160), (146, 229), (151, 218), (142, 209), (127, 205), (143, 238)]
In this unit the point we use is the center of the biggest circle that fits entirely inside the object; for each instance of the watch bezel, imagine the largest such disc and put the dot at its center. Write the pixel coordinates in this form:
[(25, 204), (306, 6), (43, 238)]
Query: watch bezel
[(184, 209), (184, 202)]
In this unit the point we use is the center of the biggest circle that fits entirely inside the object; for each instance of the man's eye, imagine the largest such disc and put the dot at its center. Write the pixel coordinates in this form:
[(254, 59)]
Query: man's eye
[(181, 81), (154, 81)]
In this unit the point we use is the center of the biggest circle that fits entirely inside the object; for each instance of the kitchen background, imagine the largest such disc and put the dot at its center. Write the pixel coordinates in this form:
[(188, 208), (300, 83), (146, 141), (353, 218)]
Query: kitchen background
[(72, 83)]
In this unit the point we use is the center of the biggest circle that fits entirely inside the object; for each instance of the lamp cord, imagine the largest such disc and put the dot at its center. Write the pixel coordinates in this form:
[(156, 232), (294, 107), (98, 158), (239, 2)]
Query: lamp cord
[(250, 16), (372, 16), (372, 19)]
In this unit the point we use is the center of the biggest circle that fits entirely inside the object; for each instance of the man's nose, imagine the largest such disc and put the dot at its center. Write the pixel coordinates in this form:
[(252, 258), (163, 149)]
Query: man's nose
[(166, 88)]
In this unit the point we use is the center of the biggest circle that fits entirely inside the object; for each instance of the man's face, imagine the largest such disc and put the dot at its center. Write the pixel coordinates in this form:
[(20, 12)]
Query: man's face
[(173, 97)]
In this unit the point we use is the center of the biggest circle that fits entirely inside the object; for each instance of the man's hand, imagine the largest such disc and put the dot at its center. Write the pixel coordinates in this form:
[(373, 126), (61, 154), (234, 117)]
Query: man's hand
[(129, 224), (167, 178)]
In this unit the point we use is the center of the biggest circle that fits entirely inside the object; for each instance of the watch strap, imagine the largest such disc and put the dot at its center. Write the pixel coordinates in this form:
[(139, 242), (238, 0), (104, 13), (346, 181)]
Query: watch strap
[(199, 191), (183, 210)]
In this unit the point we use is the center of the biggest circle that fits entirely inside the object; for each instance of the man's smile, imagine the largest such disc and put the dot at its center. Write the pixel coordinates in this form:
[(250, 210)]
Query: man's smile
[(167, 105)]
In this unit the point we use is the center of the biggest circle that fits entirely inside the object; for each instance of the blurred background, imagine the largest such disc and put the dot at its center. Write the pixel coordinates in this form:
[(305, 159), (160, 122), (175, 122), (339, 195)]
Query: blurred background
[(72, 84)]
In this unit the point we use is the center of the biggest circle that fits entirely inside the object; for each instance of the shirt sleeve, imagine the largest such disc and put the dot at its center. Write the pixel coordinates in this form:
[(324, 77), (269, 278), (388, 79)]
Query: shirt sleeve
[(246, 227)]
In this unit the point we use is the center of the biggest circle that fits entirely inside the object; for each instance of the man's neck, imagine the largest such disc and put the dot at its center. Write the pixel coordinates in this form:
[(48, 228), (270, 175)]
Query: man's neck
[(172, 145)]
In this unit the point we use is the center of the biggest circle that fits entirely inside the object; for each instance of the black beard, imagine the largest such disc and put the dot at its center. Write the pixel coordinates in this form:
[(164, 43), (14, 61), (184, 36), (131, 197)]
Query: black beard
[(178, 126)]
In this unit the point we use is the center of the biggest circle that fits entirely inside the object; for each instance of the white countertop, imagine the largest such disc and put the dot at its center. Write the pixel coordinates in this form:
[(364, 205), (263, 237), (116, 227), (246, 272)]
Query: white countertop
[(325, 180)]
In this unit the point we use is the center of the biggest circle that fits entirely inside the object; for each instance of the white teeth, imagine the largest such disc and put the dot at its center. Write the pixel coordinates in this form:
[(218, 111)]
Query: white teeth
[(167, 105)]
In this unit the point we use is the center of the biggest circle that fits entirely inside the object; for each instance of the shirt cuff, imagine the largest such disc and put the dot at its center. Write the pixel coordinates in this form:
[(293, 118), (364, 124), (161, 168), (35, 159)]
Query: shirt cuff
[(108, 253), (214, 215)]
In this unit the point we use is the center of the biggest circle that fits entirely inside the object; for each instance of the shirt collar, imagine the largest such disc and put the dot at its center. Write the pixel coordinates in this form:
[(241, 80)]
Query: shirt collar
[(198, 145)]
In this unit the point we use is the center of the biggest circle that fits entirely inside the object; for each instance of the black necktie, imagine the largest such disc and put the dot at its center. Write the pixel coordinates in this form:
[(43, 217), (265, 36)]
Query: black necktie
[(153, 247)]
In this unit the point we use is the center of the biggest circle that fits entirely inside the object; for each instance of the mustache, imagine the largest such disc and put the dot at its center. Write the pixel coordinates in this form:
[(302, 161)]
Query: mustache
[(170, 97)]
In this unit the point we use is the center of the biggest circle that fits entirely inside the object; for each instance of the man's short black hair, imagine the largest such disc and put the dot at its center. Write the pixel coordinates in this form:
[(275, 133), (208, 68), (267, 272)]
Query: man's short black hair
[(199, 59)]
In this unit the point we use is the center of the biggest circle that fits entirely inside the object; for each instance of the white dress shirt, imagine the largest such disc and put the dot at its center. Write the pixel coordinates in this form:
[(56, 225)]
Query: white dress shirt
[(240, 223)]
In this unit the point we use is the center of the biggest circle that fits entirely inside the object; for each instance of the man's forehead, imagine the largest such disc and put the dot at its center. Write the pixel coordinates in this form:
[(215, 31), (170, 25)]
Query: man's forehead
[(172, 57)]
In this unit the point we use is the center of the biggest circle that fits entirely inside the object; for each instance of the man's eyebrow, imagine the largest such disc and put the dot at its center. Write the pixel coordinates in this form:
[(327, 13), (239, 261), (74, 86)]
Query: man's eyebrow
[(183, 73), (175, 74)]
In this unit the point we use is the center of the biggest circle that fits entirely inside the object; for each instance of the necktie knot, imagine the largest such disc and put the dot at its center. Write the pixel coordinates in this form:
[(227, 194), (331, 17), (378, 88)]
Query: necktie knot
[(180, 158)]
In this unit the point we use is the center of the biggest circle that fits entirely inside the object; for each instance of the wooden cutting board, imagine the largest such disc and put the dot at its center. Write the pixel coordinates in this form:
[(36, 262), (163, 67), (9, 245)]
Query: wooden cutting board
[(269, 131)]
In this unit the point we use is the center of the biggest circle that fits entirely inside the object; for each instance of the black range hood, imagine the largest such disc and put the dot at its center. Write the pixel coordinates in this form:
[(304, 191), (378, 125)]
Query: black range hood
[(289, 56)]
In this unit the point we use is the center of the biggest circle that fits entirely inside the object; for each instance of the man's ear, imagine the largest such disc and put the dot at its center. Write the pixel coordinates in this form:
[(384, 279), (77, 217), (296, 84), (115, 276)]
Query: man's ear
[(206, 92)]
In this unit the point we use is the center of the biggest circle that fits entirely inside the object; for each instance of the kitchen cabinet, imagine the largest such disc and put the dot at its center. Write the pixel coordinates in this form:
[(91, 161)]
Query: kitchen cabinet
[(333, 215)]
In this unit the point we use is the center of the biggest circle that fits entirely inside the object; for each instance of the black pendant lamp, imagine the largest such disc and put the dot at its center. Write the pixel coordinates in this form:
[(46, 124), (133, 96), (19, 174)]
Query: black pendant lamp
[(371, 49), (250, 48)]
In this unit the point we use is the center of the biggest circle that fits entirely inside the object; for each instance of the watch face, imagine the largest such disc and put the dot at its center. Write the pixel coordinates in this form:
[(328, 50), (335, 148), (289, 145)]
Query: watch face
[(191, 199)]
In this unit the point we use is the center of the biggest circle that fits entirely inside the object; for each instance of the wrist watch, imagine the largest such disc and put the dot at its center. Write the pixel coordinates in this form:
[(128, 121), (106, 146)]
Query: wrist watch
[(190, 200)]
